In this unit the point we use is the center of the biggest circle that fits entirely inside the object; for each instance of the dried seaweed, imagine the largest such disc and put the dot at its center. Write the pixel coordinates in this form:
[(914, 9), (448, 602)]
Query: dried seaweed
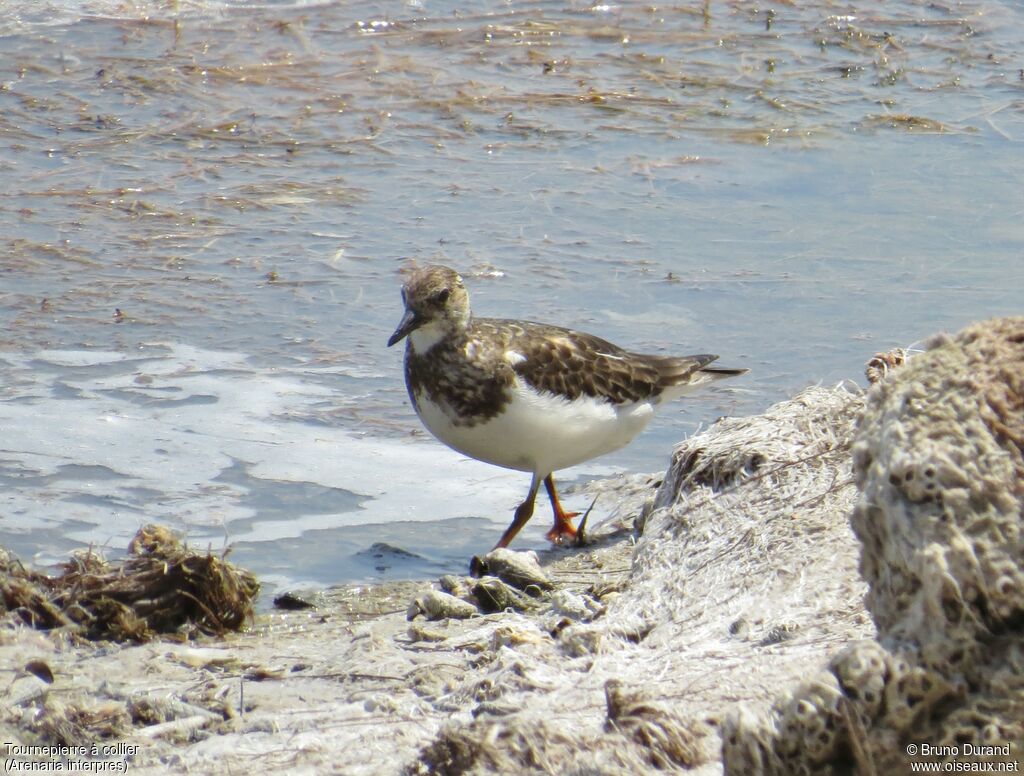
[(160, 587)]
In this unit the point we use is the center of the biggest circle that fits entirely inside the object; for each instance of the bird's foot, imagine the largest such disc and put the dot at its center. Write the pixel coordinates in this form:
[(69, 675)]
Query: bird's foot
[(562, 532)]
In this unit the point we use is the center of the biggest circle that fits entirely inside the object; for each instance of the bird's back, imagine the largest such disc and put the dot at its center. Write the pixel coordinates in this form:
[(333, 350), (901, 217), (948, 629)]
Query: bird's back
[(574, 364)]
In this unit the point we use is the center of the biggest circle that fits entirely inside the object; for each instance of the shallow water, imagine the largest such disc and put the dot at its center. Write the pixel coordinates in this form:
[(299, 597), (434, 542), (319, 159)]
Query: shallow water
[(207, 209)]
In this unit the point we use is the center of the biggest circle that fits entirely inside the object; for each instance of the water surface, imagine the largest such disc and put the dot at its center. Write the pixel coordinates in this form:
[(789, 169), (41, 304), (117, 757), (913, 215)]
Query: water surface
[(208, 207)]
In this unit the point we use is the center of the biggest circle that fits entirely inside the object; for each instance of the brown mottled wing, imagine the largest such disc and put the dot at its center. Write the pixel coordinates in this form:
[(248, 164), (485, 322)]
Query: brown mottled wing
[(576, 364)]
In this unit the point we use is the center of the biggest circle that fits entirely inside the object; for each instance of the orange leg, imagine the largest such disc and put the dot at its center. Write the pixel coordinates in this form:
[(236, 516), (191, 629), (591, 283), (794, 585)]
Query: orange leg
[(563, 528), (560, 531), (523, 513)]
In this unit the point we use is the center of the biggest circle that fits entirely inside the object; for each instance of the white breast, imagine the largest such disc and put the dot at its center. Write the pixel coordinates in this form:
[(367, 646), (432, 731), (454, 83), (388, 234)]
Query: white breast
[(540, 432)]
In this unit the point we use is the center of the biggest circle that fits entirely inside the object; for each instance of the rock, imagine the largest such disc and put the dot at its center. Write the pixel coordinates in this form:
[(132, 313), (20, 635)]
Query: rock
[(435, 605), (939, 462), (494, 595), (292, 602), (519, 569), (455, 585)]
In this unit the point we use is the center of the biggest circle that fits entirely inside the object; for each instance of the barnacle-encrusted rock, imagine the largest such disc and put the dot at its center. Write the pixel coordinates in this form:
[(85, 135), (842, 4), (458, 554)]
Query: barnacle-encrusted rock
[(940, 464), (939, 461)]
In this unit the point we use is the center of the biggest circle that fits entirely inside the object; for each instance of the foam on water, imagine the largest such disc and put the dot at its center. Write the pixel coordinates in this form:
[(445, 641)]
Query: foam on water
[(105, 442)]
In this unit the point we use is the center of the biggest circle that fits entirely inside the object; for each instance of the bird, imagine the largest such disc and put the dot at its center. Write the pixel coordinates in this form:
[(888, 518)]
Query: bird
[(529, 396)]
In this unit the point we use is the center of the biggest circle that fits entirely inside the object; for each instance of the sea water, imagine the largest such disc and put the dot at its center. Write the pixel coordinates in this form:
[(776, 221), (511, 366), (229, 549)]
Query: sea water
[(207, 208)]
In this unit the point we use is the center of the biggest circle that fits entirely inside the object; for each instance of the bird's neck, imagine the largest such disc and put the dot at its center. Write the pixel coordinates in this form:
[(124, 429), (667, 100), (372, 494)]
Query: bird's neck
[(428, 336)]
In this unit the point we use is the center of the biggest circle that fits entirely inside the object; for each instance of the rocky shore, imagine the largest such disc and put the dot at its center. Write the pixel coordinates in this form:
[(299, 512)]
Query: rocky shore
[(796, 594)]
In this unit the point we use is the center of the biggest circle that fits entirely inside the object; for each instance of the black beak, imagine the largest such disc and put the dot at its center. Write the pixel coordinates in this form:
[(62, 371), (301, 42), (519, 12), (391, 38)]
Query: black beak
[(409, 323)]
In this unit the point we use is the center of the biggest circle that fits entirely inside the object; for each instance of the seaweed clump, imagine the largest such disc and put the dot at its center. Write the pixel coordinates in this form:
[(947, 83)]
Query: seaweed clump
[(160, 587)]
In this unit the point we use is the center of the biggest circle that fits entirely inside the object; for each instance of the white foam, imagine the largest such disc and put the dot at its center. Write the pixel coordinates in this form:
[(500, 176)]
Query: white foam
[(151, 441)]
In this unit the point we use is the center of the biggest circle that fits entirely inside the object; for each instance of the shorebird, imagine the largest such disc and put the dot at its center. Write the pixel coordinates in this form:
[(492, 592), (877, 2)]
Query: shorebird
[(529, 396)]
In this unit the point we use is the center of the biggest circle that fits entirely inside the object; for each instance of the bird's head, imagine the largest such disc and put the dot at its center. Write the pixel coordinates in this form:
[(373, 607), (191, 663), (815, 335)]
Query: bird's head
[(436, 305)]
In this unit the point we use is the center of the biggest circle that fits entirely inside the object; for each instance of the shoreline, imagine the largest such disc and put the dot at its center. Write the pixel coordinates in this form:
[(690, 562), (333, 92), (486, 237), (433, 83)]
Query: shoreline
[(634, 660), (830, 586)]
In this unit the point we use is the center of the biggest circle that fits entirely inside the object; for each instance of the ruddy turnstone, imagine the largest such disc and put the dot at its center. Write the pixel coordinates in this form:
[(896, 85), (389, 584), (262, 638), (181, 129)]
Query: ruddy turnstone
[(528, 396)]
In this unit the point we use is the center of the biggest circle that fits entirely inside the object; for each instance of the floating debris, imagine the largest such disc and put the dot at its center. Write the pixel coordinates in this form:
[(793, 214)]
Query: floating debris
[(905, 121)]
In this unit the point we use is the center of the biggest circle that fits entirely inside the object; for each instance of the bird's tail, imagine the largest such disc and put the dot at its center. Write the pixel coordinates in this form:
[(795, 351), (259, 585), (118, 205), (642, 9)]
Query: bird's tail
[(681, 376), (718, 372)]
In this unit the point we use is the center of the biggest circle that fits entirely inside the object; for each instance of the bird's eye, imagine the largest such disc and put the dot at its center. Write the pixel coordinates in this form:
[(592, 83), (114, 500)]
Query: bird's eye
[(442, 295)]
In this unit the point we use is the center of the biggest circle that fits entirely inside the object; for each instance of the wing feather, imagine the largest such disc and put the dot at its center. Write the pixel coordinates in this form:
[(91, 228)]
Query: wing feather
[(575, 364)]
